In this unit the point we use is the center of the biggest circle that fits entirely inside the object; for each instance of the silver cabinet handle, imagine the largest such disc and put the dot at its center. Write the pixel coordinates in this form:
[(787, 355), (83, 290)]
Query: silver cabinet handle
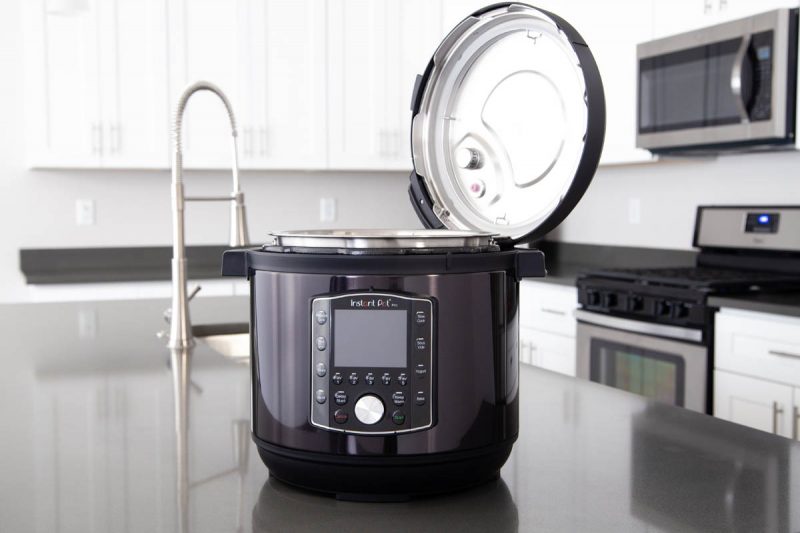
[(777, 410), (796, 423), (248, 141), (781, 353), (553, 311), (114, 137), (263, 140), (96, 138)]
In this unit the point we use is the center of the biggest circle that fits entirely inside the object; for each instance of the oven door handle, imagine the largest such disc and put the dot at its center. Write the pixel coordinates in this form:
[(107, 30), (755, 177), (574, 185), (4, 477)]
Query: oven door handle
[(737, 79), (638, 326)]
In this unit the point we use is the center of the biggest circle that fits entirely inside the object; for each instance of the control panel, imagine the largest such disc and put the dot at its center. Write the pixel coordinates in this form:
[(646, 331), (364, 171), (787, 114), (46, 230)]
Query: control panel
[(372, 362)]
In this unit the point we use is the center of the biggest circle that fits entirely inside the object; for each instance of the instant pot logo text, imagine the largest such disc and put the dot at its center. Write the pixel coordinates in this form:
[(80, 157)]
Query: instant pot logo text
[(372, 303)]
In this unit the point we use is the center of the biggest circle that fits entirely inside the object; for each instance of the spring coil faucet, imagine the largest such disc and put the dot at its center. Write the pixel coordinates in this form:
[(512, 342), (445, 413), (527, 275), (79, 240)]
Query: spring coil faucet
[(180, 335)]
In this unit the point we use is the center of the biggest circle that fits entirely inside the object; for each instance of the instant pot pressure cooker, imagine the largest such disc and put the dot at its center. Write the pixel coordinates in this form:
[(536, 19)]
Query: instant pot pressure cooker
[(385, 361)]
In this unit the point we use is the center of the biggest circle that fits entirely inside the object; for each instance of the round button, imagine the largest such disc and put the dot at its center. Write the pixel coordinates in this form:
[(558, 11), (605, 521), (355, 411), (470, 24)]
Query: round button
[(386, 379), (353, 379), (322, 343), (402, 379), (320, 396), (340, 416), (321, 317), (369, 409), (337, 378), (421, 371), (321, 369), (398, 417), (369, 378), (421, 318)]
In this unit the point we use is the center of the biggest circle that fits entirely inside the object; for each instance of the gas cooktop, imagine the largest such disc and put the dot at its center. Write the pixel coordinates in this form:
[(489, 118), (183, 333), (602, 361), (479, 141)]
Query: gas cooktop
[(742, 250), (706, 279)]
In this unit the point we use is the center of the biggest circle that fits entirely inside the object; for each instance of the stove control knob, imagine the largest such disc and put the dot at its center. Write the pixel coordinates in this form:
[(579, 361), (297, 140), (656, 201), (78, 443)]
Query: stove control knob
[(369, 409), (679, 310), (635, 303), (592, 297), (661, 308), (468, 158), (609, 300)]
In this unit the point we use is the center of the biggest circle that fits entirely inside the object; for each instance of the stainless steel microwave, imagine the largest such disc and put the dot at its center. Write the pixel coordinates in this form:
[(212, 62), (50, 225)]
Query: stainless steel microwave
[(728, 86)]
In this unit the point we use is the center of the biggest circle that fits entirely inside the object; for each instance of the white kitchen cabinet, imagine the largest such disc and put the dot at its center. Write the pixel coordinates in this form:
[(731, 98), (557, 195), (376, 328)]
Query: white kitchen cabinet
[(758, 344), (268, 58), (135, 102), (548, 326), (63, 86), (548, 350), (375, 50), (96, 84), (757, 370), (753, 402), (283, 118), (207, 40), (678, 16)]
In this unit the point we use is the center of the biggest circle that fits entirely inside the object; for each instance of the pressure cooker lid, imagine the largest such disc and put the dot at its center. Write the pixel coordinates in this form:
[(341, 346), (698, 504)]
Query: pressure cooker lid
[(508, 124)]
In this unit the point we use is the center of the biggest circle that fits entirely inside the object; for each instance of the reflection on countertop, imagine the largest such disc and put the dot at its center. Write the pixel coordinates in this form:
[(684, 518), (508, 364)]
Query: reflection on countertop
[(104, 431)]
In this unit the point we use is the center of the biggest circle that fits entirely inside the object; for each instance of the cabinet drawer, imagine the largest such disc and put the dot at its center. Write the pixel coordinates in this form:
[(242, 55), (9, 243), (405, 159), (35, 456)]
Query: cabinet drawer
[(548, 307), (754, 402), (758, 344)]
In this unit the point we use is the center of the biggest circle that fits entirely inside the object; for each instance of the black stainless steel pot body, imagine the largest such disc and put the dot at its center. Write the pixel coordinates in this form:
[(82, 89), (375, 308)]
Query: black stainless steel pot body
[(475, 369)]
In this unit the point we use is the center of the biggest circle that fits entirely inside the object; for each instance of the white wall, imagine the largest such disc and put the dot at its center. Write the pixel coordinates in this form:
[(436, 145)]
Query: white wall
[(670, 191), (37, 208)]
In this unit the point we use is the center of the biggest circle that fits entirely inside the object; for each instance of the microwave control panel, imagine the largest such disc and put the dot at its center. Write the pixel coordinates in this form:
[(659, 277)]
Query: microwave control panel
[(761, 99), (372, 363)]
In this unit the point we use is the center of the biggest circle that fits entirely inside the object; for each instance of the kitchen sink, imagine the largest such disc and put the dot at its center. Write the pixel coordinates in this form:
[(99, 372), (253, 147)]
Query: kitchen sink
[(230, 340)]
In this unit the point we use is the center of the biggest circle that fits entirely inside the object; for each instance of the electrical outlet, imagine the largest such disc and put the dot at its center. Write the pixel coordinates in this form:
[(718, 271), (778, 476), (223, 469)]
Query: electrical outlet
[(327, 209), (634, 211), (84, 212)]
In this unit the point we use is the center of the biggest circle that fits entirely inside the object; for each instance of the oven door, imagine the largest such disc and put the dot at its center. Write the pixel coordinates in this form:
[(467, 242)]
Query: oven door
[(666, 363)]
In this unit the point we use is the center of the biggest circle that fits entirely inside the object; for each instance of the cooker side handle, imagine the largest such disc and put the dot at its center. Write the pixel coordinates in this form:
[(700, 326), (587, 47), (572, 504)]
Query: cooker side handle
[(529, 263), (235, 263)]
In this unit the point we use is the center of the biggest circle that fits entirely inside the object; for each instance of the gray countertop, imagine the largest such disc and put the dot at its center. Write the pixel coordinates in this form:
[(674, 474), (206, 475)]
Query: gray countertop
[(89, 444), (781, 303)]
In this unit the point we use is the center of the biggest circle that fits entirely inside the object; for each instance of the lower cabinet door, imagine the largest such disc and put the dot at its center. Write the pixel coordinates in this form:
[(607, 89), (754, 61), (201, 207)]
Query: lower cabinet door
[(547, 350), (753, 402)]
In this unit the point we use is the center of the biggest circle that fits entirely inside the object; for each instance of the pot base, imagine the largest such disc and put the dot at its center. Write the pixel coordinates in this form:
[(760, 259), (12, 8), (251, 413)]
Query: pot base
[(384, 479)]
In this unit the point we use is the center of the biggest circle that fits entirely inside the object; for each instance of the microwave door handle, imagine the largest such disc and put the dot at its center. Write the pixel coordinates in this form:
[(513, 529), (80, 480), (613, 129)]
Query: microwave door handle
[(737, 80)]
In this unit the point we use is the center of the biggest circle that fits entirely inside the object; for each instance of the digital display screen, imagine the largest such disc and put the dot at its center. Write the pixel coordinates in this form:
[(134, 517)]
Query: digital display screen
[(763, 53), (761, 223), (370, 338)]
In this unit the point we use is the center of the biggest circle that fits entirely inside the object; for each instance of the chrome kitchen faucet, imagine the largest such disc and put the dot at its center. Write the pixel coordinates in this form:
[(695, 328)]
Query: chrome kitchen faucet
[(180, 335)]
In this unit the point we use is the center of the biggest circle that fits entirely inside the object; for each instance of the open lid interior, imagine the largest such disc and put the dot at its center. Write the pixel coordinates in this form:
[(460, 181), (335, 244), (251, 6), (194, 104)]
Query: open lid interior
[(508, 124)]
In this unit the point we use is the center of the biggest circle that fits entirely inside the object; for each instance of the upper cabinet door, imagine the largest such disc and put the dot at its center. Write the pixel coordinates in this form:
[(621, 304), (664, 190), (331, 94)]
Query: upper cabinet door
[(64, 112), (613, 40), (133, 84), (375, 48), (207, 39), (287, 123)]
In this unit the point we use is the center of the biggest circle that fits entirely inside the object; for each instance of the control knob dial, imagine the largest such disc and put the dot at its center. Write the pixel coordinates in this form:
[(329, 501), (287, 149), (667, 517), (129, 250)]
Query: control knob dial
[(369, 409)]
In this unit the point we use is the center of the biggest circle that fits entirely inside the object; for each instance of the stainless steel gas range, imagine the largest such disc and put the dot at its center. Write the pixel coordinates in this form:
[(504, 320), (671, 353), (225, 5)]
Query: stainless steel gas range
[(651, 332)]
